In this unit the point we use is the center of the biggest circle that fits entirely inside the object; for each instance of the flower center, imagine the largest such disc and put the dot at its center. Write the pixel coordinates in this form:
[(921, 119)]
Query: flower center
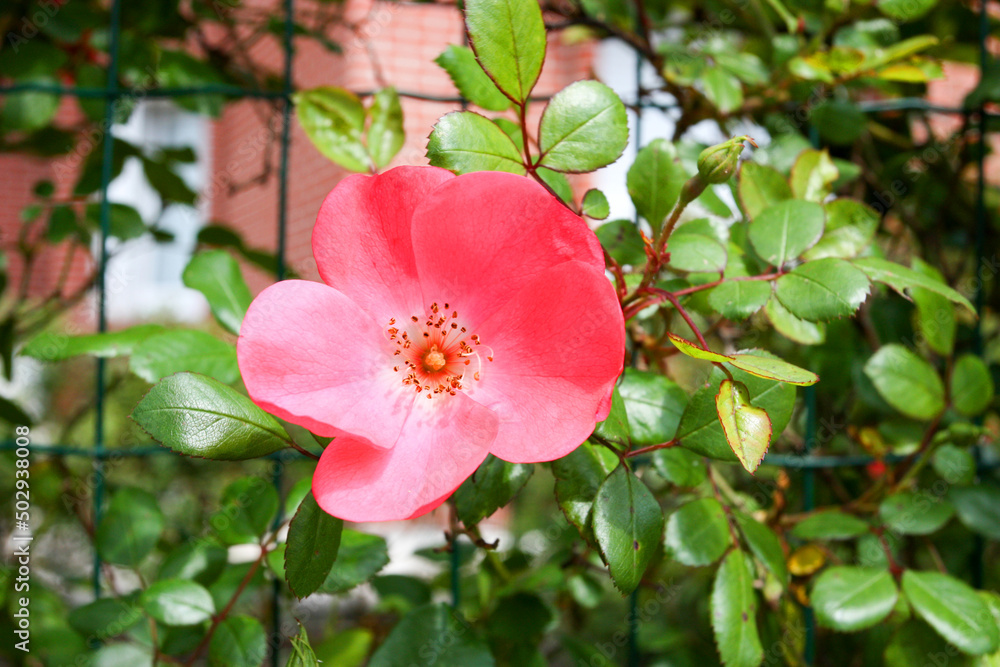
[(434, 360), (436, 353)]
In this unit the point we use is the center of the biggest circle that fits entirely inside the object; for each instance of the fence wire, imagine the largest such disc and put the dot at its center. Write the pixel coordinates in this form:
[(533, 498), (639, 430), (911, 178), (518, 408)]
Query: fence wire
[(806, 464)]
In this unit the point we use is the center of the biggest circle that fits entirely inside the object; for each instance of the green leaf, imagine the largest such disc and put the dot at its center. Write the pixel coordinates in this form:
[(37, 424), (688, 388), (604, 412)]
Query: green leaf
[(438, 635), (201, 561), (178, 602), (839, 122), (680, 466), (579, 476), (349, 648), (62, 224), (830, 525), (722, 89), (521, 618), (197, 416), (910, 513), (698, 533), (302, 653), (31, 110), (734, 613), (493, 485), (182, 70), (239, 641), (359, 559), (628, 525), (124, 222), (739, 299), (977, 508), (760, 187), (217, 275), (853, 598), (793, 328), (616, 427), (246, 511), (813, 174), (690, 349), (225, 237), (470, 79), (773, 369), (385, 134), (655, 180), (747, 428), (765, 546), (850, 226), (53, 346), (905, 11), (903, 49), (954, 464), (914, 644), (31, 212), (333, 119), (13, 414), (558, 182), (622, 241), (105, 618), (178, 350), (953, 609), (313, 542), (783, 231), (654, 405), (130, 529), (748, 67), (584, 127), (822, 290), (463, 141), (595, 205), (168, 183), (122, 655), (508, 37), (971, 385), (700, 429), (906, 382), (936, 319), (398, 588), (900, 279), (696, 253)]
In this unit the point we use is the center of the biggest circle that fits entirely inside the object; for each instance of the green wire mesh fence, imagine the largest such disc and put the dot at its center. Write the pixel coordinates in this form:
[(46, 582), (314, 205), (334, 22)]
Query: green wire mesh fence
[(806, 465)]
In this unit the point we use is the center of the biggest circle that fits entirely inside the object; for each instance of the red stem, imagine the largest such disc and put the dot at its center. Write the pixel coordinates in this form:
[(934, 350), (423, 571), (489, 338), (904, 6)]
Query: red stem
[(687, 318), (653, 448)]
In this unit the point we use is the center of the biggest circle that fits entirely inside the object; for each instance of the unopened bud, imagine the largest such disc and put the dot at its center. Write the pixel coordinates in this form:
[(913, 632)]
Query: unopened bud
[(718, 163)]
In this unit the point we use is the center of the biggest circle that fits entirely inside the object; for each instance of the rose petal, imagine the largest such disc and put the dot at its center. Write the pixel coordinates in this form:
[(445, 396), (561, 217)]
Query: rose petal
[(604, 407), (312, 357), (362, 243), (558, 346), (480, 237), (443, 442)]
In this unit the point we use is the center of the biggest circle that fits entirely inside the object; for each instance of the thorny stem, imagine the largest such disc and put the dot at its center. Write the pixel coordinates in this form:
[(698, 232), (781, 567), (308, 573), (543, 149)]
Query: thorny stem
[(616, 271), (687, 318), (895, 568), (919, 458), (221, 616), (935, 555), (601, 440), (491, 551), (658, 293), (295, 445), (652, 448)]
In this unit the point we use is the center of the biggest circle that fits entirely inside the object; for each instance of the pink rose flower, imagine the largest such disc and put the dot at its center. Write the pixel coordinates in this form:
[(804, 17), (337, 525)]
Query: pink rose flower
[(461, 316)]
